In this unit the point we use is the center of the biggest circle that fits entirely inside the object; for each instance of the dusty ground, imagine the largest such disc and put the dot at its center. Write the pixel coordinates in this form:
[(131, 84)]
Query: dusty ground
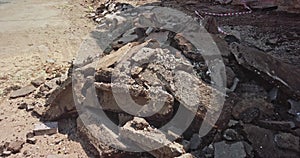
[(36, 36)]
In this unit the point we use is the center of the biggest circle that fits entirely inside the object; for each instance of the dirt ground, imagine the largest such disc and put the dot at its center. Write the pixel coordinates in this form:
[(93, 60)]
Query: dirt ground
[(36, 36)]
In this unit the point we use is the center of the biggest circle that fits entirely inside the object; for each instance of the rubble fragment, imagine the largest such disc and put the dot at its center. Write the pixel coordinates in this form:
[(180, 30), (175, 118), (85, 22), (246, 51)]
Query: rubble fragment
[(187, 155), (195, 142), (47, 128), (277, 125), (295, 109), (37, 82), (6, 153), (22, 92), (287, 141), (31, 140), (150, 139), (230, 135), (286, 77), (250, 109), (61, 102), (15, 146), (224, 150), (260, 140)]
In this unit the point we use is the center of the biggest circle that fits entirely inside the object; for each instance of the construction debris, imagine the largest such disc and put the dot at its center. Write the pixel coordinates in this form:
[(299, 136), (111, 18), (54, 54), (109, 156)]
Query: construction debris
[(47, 128)]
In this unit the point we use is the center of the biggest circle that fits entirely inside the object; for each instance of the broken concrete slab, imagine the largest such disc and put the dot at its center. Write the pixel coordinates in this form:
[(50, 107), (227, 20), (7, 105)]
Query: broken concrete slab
[(284, 76), (22, 92), (161, 107), (98, 134), (47, 128), (224, 150), (60, 102), (148, 138)]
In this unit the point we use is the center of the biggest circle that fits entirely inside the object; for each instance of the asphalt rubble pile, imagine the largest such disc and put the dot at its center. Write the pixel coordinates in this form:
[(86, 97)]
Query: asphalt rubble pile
[(260, 116)]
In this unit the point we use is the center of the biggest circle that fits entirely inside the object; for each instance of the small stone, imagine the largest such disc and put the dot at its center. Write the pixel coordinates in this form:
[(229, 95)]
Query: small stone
[(195, 141), (52, 84), (230, 76), (123, 118), (54, 156), (44, 88), (47, 128), (187, 155), (232, 123), (273, 94), (29, 107), (295, 107), (297, 132), (6, 153), (15, 146), (23, 105), (249, 115), (37, 82), (57, 141), (277, 125), (29, 135), (248, 149), (223, 150), (272, 41), (230, 134), (250, 109), (287, 141), (186, 144), (50, 61), (208, 151), (26, 153), (22, 92), (31, 140), (39, 111)]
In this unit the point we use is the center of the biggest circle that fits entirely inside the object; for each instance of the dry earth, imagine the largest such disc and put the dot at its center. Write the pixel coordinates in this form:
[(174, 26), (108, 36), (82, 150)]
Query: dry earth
[(36, 37)]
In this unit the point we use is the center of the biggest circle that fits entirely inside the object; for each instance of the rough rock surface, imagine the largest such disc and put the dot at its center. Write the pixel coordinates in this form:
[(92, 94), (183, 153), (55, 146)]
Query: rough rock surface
[(264, 142), (224, 150)]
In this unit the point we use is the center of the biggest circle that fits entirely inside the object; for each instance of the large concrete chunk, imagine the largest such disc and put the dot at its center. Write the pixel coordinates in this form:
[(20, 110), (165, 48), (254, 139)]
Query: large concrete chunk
[(140, 132), (284, 76)]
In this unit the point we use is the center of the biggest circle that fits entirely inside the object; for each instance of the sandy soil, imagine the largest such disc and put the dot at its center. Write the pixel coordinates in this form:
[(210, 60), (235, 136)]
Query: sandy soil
[(36, 36)]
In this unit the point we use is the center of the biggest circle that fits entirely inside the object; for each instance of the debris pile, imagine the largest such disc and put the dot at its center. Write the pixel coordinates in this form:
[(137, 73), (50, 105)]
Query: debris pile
[(137, 89)]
